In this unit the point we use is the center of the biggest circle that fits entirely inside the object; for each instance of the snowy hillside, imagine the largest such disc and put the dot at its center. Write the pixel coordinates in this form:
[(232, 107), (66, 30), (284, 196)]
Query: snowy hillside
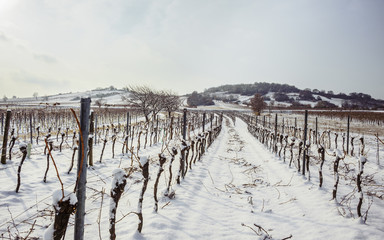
[(271, 99), (108, 97), (105, 96), (283, 95)]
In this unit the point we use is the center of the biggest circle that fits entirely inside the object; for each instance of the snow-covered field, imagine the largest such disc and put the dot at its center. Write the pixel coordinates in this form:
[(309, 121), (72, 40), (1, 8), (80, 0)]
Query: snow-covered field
[(237, 186), (105, 96)]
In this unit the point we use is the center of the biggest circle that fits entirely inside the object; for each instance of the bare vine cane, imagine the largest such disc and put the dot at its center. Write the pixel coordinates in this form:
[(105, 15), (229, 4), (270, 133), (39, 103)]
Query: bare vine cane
[(23, 149), (162, 160), (82, 150), (144, 165)]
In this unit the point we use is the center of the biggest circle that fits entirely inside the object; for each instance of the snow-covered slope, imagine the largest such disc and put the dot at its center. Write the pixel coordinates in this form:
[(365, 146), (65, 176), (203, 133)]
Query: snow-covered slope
[(106, 96), (270, 99)]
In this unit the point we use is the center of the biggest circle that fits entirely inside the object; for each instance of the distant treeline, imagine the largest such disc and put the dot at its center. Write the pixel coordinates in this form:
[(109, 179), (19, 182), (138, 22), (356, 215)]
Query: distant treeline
[(251, 89)]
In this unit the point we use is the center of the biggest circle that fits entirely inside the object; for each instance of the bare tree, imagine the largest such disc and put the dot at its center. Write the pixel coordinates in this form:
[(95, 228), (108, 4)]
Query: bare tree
[(100, 102), (171, 102), (257, 103), (150, 102), (141, 98)]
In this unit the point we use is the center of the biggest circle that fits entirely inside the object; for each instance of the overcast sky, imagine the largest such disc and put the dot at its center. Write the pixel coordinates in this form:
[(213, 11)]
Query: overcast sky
[(57, 46)]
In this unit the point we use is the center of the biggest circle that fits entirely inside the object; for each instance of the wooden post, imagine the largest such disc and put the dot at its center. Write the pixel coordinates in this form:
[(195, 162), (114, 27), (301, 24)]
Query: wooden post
[(204, 121), (182, 165), (127, 131), (2, 123), (171, 129), (5, 137), (316, 132), (275, 137), (305, 138), (56, 120), (157, 129), (211, 122), (82, 168), (348, 133), (185, 124), (30, 126), (127, 123), (91, 132), (95, 128)]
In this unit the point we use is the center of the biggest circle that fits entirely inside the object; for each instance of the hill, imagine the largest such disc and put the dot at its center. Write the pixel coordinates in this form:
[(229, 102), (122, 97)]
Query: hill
[(100, 96), (284, 95)]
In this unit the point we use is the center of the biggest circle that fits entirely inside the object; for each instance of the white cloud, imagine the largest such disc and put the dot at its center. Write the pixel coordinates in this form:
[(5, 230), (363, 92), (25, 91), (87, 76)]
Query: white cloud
[(45, 58), (3, 37)]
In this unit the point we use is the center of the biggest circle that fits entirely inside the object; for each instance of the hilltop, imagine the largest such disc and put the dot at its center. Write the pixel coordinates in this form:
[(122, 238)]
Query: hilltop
[(284, 95)]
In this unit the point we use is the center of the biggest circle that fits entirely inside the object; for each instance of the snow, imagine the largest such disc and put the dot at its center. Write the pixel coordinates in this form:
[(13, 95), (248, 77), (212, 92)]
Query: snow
[(220, 105), (184, 145), (58, 195), (118, 177), (22, 145), (338, 153), (73, 99), (143, 160), (48, 233), (237, 183), (337, 101), (312, 104), (363, 159)]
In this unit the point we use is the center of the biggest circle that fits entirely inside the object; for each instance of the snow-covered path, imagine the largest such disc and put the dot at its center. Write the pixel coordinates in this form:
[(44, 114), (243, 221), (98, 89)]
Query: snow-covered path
[(238, 182)]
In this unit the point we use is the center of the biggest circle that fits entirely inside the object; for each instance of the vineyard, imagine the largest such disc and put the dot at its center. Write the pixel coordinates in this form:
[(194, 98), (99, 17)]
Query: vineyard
[(190, 175)]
